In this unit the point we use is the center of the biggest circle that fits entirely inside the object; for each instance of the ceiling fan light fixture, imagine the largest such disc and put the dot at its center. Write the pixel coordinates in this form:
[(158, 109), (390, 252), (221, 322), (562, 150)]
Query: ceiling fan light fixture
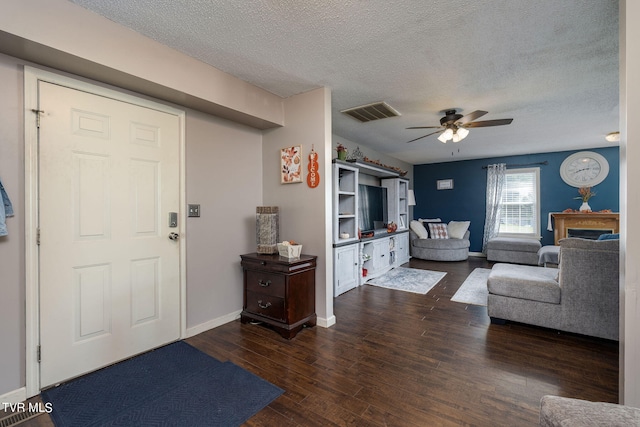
[(454, 126), (446, 135), (462, 132)]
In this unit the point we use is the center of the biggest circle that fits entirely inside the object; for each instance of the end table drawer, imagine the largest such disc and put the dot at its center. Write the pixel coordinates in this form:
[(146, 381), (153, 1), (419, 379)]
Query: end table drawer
[(265, 283), (265, 305)]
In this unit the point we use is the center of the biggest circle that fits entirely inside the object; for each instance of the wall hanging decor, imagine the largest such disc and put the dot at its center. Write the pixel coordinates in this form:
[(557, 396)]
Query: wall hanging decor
[(444, 184), (267, 229), (313, 177), (291, 165)]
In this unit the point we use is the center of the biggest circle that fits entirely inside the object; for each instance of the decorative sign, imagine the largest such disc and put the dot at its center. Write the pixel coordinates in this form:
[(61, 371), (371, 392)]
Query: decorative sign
[(313, 177), (291, 165), (444, 184)]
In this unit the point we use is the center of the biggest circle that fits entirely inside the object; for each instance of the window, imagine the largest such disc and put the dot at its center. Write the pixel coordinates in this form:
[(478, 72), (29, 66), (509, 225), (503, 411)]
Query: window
[(519, 205)]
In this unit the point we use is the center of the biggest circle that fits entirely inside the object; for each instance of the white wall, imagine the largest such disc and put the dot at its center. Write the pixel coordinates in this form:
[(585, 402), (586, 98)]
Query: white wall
[(12, 261), (305, 213), (630, 201), (224, 170)]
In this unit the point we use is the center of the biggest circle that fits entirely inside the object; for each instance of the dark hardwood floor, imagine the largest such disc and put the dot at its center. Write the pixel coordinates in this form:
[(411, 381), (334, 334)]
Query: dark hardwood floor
[(401, 359)]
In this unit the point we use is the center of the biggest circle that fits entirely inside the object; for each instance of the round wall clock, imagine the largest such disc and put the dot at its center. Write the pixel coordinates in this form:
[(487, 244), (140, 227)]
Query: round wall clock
[(584, 169)]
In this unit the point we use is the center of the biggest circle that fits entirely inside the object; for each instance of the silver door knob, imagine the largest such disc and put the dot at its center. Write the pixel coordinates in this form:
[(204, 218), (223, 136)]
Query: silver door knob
[(173, 236)]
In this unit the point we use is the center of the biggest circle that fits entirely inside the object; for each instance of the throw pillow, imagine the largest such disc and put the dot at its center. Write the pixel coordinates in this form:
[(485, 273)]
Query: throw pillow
[(428, 220), (457, 229), (615, 236), (438, 230), (419, 229)]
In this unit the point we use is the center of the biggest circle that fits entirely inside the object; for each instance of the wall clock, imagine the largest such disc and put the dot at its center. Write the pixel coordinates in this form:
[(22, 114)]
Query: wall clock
[(584, 169)]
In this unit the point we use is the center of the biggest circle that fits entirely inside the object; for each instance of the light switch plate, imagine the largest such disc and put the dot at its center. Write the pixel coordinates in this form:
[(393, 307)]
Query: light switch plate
[(194, 210)]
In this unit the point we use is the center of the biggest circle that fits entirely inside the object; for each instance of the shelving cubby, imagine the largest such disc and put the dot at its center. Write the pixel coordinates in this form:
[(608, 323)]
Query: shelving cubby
[(345, 203), (398, 195)]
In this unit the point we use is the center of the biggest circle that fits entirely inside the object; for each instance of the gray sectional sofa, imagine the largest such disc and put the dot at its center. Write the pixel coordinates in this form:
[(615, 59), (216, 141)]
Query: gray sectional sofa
[(513, 250), (580, 296), (439, 249), (556, 411)]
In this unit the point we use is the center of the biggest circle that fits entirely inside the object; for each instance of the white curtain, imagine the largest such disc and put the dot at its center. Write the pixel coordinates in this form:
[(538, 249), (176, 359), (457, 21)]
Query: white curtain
[(495, 183)]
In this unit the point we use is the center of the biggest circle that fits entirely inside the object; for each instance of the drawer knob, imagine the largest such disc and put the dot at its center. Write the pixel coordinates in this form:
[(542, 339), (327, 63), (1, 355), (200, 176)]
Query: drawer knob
[(263, 262), (263, 283), (261, 305)]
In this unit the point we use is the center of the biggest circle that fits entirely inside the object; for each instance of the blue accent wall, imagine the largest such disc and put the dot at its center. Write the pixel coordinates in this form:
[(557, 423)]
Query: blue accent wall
[(466, 201)]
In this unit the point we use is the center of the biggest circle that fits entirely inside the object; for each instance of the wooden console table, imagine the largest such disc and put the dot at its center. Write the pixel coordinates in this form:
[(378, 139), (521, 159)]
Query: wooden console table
[(610, 222), (280, 292)]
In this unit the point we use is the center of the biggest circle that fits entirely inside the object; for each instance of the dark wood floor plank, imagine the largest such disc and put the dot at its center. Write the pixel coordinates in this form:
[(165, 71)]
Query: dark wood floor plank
[(401, 359)]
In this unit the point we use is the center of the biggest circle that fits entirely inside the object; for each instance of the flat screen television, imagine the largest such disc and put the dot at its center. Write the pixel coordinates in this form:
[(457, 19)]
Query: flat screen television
[(372, 208)]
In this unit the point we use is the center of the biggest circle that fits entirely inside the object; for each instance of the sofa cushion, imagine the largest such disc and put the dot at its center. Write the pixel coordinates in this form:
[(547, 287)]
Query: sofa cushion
[(419, 229), (525, 282), (514, 244), (425, 222), (456, 229), (438, 230), (549, 254), (443, 244), (558, 411)]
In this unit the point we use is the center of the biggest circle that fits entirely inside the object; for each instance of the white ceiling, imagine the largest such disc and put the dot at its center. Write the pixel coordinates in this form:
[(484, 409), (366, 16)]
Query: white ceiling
[(551, 65)]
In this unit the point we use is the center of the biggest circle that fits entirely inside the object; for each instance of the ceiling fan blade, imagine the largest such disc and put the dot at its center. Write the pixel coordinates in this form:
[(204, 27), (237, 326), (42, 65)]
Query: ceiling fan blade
[(487, 123), (429, 134), (472, 116), (424, 127)]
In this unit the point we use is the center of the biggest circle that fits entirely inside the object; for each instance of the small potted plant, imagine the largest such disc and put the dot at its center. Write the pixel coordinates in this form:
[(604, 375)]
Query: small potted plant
[(342, 152), (585, 195)]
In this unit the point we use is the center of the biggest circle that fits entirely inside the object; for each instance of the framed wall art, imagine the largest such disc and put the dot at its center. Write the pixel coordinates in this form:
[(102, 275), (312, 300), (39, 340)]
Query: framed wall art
[(291, 165), (444, 184)]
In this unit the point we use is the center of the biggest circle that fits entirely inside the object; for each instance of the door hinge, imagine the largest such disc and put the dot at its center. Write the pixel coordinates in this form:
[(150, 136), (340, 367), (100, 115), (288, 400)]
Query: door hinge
[(38, 112), (38, 236), (39, 354)]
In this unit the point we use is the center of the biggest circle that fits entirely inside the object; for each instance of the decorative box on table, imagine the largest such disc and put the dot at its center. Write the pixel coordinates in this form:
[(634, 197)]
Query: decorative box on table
[(289, 251)]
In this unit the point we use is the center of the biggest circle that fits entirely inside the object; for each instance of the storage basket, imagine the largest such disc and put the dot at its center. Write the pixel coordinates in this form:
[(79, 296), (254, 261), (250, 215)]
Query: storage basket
[(289, 251)]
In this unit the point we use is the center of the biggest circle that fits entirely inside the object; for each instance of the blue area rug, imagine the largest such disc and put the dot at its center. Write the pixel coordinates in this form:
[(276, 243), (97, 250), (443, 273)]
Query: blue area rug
[(176, 385)]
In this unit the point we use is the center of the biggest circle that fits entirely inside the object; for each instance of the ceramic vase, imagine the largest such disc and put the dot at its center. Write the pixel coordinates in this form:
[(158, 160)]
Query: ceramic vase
[(267, 229), (585, 207)]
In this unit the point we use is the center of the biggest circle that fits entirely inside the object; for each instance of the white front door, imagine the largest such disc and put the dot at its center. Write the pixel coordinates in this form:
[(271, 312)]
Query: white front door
[(109, 273)]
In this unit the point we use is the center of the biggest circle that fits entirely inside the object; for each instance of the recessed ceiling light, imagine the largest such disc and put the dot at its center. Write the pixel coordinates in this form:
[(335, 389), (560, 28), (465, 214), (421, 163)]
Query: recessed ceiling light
[(613, 137)]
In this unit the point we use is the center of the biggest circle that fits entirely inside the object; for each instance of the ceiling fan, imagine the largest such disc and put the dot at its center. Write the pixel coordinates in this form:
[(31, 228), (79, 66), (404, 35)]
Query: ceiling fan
[(454, 126)]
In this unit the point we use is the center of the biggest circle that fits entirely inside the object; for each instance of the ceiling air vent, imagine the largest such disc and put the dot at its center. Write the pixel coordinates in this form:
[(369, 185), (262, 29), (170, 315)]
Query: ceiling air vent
[(369, 112)]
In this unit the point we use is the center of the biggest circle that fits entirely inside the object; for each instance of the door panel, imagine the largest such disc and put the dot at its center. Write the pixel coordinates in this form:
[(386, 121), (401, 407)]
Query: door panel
[(109, 274)]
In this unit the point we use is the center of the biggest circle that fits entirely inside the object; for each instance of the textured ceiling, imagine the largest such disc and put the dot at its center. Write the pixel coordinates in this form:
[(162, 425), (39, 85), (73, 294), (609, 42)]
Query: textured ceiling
[(550, 65)]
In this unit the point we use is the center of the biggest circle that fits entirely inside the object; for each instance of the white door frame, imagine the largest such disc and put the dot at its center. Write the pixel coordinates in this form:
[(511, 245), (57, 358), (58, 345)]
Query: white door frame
[(32, 309)]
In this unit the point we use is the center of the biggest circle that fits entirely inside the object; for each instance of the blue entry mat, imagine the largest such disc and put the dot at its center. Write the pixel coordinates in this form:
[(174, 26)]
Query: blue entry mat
[(176, 385)]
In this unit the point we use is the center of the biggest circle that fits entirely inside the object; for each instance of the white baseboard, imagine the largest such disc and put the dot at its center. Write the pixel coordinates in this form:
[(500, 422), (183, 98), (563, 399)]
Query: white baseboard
[(203, 327), (214, 323), (15, 396), (326, 323), (478, 254)]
